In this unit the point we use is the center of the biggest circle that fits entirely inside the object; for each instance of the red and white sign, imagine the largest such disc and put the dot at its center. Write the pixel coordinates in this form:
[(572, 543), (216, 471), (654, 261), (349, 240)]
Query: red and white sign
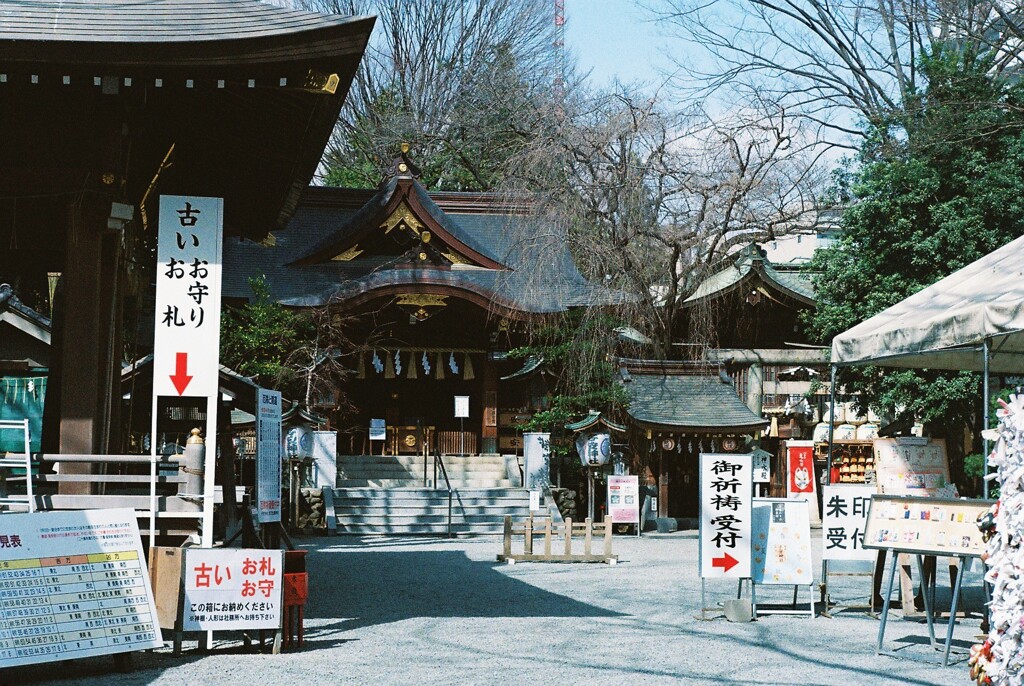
[(232, 588), (624, 499), (186, 340), (800, 479), (726, 493)]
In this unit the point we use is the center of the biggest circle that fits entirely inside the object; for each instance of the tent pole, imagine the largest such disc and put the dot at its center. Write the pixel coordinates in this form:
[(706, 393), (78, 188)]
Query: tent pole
[(831, 424), (984, 413)]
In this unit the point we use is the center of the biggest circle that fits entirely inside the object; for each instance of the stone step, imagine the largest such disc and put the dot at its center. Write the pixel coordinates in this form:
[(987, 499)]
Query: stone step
[(388, 520), (432, 507), (390, 484), (418, 459), (419, 529), (421, 492)]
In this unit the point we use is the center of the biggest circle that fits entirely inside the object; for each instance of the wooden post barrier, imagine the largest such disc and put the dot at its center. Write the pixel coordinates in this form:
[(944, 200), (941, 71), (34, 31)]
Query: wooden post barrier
[(587, 529)]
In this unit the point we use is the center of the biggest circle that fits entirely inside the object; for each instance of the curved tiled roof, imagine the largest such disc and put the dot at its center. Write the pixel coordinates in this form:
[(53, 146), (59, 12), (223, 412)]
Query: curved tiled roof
[(688, 402), (148, 21), (750, 263)]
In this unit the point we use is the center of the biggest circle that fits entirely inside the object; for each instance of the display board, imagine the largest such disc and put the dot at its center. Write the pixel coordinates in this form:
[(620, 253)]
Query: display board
[(930, 526), (268, 455), (73, 585), (726, 490), (232, 588), (844, 518), (624, 499), (781, 543), (911, 466)]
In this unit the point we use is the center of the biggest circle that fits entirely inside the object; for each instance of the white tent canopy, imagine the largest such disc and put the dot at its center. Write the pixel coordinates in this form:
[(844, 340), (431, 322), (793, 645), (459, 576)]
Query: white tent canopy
[(945, 325)]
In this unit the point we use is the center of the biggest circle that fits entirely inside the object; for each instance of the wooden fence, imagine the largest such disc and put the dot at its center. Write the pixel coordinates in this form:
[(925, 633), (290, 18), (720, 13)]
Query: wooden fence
[(565, 532)]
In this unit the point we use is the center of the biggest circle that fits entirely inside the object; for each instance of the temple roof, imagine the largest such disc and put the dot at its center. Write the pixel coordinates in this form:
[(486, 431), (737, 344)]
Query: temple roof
[(508, 257), (751, 268), (686, 400)]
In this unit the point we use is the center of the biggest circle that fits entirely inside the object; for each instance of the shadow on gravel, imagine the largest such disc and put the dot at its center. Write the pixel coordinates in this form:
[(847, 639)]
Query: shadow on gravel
[(380, 586)]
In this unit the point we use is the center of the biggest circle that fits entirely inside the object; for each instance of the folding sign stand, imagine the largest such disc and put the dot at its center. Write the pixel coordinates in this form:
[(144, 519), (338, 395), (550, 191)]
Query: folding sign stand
[(831, 611), (793, 610), (928, 591)]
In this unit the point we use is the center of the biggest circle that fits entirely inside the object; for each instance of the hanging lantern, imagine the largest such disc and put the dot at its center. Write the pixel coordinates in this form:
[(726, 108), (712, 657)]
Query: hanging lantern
[(594, 449)]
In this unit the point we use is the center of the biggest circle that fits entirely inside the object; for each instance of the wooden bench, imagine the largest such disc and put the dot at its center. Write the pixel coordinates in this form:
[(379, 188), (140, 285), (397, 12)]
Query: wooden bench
[(566, 531)]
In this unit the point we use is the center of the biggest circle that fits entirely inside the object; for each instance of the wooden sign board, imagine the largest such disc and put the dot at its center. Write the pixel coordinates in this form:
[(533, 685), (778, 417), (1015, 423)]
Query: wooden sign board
[(911, 466), (781, 543), (929, 526)]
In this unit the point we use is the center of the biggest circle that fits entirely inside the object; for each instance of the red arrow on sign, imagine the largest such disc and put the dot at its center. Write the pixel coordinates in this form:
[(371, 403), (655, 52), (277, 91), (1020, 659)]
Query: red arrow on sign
[(726, 562), (180, 378)]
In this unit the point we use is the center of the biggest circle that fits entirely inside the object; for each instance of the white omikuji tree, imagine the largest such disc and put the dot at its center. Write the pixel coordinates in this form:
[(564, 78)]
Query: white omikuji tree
[(1000, 660)]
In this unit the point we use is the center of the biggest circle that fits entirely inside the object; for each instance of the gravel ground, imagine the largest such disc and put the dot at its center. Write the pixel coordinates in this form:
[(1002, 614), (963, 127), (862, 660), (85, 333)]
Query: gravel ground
[(428, 611)]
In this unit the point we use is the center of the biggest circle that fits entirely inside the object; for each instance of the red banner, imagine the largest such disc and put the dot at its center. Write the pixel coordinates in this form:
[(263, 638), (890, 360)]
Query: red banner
[(800, 464)]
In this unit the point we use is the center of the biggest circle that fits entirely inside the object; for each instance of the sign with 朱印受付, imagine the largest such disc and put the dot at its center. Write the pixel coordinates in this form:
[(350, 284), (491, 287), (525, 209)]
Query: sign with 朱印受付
[(232, 588), (72, 585), (843, 518), (462, 406), (624, 499), (186, 340), (268, 455), (726, 490), (781, 542)]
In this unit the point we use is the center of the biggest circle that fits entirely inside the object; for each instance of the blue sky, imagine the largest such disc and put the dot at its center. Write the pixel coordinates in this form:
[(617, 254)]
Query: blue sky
[(615, 38)]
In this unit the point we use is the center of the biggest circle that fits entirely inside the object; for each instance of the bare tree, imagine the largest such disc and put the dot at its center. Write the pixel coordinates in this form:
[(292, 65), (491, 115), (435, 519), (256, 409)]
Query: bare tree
[(460, 80), (651, 201), (836, 64)]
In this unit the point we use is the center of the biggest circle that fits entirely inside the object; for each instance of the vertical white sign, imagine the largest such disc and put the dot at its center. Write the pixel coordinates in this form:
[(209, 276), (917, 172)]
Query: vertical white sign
[(762, 467), (186, 342), (844, 516), (726, 492), (462, 407), (268, 455)]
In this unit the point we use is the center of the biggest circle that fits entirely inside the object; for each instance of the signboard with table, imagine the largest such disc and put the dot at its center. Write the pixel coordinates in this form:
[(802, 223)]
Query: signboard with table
[(73, 584), (925, 526)]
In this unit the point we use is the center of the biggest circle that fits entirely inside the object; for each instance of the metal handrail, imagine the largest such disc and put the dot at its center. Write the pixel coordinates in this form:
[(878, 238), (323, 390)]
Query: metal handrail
[(23, 426), (448, 483)]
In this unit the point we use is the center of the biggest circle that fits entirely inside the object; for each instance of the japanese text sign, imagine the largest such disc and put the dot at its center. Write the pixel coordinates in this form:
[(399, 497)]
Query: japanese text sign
[(461, 406), (72, 585), (624, 499), (188, 285), (911, 466), (231, 588), (268, 455), (726, 490), (762, 467), (782, 542), (844, 516)]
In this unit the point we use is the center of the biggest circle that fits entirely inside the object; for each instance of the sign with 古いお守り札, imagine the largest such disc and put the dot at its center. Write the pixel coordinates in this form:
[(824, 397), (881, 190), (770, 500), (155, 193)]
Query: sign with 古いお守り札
[(188, 285), (232, 588)]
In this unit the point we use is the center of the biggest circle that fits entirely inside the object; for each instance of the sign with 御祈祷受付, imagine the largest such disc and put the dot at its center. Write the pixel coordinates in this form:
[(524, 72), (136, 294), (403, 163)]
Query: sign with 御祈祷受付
[(726, 491)]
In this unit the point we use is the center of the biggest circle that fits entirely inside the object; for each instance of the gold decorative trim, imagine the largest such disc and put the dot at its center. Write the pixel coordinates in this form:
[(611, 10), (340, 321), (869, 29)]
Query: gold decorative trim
[(455, 258), (269, 241), (348, 255), (403, 215), (422, 300)]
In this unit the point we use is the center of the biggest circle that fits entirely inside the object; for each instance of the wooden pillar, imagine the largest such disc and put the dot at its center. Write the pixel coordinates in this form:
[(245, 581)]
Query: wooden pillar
[(662, 484), (755, 388), (90, 356), (489, 419)]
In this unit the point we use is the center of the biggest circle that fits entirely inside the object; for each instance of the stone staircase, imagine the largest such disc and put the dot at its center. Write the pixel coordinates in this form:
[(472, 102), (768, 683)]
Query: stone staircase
[(385, 494)]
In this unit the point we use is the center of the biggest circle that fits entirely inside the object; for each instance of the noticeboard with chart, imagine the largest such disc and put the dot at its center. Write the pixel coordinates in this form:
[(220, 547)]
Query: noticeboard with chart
[(72, 585), (912, 466), (929, 526)]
